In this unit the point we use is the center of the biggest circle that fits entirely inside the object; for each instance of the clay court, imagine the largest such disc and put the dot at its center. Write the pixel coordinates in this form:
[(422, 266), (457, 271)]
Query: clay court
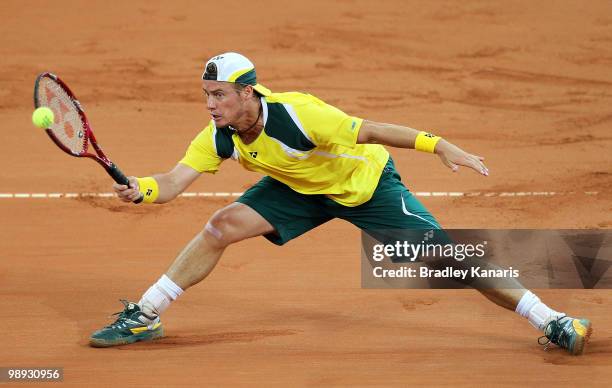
[(527, 85)]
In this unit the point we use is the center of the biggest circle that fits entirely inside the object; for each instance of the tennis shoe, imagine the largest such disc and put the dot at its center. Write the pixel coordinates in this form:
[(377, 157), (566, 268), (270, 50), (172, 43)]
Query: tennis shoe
[(132, 325), (568, 333)]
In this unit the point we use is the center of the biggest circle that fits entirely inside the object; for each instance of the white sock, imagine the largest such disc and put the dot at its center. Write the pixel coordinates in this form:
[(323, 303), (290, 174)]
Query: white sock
[(159, 296), (538, 314)]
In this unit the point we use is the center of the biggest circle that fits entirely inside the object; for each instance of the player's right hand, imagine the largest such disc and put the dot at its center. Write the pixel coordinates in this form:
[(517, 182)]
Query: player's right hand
[(127, 193)]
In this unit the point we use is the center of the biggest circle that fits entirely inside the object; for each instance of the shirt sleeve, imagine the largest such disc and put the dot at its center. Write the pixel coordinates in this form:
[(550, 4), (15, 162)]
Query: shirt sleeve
[(327, 125), (202, 154)]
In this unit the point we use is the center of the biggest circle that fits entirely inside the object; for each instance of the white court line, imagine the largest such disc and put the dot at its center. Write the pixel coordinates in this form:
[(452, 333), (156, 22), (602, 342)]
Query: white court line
[(238, 194)]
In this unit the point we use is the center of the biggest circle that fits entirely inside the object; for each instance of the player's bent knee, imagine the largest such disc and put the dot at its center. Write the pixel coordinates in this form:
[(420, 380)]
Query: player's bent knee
[(223, 228), (213, 231), (215, 235)]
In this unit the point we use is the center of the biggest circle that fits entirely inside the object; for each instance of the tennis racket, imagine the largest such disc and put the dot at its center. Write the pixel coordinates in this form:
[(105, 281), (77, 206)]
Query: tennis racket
[(70, 130)]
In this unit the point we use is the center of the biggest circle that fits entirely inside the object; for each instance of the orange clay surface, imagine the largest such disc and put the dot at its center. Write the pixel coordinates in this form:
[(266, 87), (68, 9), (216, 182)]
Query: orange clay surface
[(526, 84)]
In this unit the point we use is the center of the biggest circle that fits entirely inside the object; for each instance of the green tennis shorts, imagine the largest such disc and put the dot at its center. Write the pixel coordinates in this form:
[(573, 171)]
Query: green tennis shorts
[(292, 214)]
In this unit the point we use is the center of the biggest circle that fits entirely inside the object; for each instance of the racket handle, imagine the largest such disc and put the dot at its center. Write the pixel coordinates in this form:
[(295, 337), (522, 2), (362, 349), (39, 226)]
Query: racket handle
[(120, 178)]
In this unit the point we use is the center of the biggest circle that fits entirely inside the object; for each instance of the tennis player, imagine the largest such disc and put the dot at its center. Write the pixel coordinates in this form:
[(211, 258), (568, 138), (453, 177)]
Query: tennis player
[(319, 163)]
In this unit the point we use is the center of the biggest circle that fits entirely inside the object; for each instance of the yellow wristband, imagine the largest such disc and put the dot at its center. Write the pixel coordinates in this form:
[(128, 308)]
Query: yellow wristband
[(148, 188), (426, 142)]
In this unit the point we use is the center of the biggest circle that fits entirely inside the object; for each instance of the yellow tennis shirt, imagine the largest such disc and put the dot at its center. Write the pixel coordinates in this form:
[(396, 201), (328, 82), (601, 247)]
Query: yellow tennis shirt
[(306, 144)]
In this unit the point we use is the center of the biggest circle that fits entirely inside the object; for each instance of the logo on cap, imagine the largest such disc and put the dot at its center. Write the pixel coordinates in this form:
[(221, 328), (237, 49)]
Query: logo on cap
[(211, 71)]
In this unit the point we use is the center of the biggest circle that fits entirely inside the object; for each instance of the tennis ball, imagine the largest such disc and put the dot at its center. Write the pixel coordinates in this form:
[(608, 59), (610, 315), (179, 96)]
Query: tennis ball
[(43, 117)]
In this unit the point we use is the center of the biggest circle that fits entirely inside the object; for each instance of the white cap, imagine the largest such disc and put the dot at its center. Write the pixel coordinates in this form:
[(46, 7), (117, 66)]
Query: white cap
[(233, 67)]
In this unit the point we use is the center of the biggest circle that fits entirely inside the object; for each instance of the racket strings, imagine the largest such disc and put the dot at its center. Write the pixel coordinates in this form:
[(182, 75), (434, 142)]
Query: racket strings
[(67, 126)]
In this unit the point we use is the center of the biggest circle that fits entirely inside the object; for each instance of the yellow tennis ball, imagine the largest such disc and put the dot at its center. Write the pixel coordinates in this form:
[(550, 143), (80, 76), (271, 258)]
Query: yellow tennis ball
[(43, 117)]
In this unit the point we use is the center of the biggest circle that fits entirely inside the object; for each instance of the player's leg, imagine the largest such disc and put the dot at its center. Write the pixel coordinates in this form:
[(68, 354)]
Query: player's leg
[(269, 208), (393, 207), (141, 321)]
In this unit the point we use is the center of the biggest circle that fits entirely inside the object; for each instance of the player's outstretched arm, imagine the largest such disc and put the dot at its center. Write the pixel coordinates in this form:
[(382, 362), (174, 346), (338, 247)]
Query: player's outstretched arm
[(405, 137), (168, 185)]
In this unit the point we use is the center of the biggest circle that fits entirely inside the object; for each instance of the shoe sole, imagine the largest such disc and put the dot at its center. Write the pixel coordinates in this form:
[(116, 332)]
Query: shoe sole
[(144, 336), (581, 341)]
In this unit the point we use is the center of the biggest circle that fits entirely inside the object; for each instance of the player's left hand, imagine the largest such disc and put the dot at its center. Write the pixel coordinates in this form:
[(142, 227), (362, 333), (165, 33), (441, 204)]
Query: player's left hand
[(453, 157)]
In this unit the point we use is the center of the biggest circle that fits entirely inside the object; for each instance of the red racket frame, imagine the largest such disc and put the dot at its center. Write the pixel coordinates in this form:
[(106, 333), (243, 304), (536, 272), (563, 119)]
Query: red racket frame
[(88, 137)]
